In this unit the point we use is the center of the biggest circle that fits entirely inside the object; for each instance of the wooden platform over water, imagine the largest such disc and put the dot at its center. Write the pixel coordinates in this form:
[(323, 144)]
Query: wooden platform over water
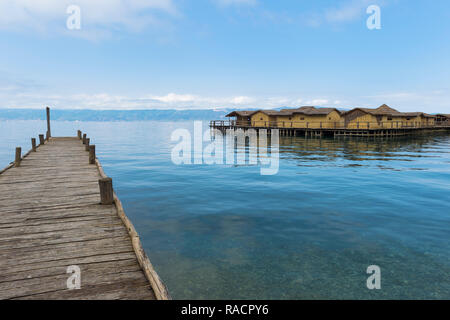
[(371, 130), (51, 218)]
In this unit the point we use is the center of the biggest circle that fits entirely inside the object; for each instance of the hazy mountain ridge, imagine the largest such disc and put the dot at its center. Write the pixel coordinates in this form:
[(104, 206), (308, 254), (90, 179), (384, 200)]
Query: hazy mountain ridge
[(114, 115), (120, 115)]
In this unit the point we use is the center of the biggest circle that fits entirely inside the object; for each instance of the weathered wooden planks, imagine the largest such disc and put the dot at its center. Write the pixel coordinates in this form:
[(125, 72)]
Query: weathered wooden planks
[(51, 218)]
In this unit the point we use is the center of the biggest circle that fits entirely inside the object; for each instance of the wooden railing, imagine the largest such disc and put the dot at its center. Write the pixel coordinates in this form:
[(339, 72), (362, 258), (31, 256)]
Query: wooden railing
[(321, 124), (443, 123)]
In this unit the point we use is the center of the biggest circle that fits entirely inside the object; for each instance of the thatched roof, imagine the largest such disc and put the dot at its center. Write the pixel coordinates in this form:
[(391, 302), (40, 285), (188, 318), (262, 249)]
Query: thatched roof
[(385, 110), (250, 113), (315, 111), (306, 110), (416, 114), (270, 112), (240, 113)]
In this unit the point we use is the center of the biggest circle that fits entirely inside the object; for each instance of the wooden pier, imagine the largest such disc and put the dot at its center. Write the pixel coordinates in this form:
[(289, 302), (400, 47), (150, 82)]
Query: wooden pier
[(58, 210)]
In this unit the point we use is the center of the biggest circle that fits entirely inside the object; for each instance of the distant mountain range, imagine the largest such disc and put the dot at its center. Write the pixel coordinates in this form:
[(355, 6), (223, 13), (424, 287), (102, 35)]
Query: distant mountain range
[(114, 115), (119, 115)]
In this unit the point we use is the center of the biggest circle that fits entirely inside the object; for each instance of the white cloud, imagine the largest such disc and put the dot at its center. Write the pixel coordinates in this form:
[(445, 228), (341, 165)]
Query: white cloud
[(348, 11), (242, 100), (26, 93), (33, 99), (432, 102), (97, 16), (343, 12), (175, 98), (318, 102)]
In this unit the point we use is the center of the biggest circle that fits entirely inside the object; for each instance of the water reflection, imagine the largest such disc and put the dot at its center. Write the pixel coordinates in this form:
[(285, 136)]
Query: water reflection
[(355, 151)]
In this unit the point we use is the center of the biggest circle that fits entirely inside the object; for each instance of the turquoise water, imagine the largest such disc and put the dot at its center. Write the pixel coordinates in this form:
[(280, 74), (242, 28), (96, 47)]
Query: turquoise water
[(335, 207)]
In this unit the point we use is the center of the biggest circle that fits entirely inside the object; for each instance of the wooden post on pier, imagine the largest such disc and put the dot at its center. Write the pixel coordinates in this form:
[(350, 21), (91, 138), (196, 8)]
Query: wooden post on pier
[(18, 157), (86, 146), (79, 134), (33, 144), (92, 154), (41, 139), (47, 136), (106, 191), (84, 138), (49, 133)]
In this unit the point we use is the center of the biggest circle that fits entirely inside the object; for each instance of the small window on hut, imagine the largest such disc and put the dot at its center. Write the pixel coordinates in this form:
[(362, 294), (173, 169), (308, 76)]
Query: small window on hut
[(290, 118), (408, 119), (389, 118), (261, 119), (302, 118)]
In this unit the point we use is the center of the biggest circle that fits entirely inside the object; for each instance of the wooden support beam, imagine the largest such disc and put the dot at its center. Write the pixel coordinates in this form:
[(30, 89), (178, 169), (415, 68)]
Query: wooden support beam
[(106, 191), (18, 157), (33, 144), (41, 139), (86, 146), (84, 138), (79, 134), (48, 122), (92, 154)]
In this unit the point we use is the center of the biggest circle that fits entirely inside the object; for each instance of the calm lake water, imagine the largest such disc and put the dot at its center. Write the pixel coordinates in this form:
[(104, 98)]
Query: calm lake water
[(335, 207)]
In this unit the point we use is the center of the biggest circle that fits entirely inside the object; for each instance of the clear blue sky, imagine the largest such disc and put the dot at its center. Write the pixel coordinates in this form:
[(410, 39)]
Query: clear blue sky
[(159, 54)]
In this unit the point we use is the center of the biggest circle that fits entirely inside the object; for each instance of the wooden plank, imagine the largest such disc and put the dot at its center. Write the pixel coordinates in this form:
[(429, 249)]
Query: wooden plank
[(39, 281), (110, 291), (46, 209), (58, 283), (52, 216), (62, 269), (80, 260), (34, 258), (58, 194), (60, 236), (28, 222), (10, 233)]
